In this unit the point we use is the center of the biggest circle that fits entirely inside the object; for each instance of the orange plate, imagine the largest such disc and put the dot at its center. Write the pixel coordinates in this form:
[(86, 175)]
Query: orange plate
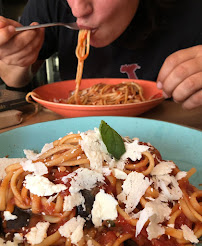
[(49, 93)]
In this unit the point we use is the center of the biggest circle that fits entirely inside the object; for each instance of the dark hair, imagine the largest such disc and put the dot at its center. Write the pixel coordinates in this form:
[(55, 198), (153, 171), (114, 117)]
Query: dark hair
[(151, 16)]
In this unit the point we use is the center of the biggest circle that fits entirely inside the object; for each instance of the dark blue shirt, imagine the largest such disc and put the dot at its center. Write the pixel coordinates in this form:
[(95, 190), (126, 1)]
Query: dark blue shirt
[(182, 28)]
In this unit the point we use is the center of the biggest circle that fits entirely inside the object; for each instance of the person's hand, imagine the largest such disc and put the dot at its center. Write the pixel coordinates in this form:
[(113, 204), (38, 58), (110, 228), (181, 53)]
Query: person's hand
[(180, 77), (19, 49)]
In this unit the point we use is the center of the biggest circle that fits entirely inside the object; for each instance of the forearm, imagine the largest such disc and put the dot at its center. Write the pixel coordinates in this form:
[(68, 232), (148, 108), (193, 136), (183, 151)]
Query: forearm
[(16, 76)]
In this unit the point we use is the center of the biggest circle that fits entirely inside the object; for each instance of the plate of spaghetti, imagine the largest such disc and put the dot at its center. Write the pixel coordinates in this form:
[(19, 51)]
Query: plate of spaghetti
[(99, 97), (96, 182), (96, 97)]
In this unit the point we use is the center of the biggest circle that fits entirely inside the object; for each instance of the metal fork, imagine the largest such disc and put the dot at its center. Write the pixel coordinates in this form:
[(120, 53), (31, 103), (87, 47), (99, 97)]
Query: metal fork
[(68, 25)]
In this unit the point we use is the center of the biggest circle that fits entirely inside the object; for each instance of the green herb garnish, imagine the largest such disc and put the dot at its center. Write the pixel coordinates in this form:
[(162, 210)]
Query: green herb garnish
[(112, 140), (111, 223)]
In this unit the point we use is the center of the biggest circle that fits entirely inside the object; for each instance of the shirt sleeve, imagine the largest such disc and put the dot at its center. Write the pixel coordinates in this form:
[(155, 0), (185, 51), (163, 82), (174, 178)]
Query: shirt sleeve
[(42, 11)]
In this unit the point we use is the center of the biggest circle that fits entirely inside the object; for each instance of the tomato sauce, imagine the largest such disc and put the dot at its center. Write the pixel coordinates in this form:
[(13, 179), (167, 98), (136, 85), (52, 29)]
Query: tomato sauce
[(182, 220), (124, 226), (164, 241), (107, 238), (184, 184), (109, 188)]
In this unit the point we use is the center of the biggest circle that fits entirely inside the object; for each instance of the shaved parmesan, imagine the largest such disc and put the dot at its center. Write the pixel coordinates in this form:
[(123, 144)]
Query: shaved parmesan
[(163, 168), (46, 147), (189, 234), (134, 188), (156, 211), (119, 174), (37, 233), (9, 216), (38, 168), (180, 175), (154, 230), (94, 149), (170, 187), (73, 229), (106, 171), (31, 155), (72, 201), (83, 178), (134, 150), (42, 186)]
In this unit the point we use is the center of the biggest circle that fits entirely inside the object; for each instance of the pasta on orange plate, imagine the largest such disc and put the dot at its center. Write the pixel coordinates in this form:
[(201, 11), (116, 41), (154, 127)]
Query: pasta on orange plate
[(97, 188), (108, 94), (100, 94)]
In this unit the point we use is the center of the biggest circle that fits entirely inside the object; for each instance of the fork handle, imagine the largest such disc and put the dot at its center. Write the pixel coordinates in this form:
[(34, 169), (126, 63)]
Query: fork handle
[(24, 28)]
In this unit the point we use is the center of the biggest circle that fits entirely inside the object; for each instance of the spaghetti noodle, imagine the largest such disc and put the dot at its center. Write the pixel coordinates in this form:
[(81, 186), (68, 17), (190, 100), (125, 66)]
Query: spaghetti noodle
[(82, 52), (100, 94), (76, 193), (108, 94)]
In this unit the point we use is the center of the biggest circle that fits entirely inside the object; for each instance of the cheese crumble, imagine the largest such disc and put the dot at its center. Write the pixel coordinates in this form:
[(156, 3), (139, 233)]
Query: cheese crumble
[(73, 229), (41, 186), (37, 233), (83, 178), (104, 208), (134, 188)]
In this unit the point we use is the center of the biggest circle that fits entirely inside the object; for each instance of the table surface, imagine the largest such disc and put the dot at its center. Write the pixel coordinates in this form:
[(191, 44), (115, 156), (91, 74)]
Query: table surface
[(168, 111)]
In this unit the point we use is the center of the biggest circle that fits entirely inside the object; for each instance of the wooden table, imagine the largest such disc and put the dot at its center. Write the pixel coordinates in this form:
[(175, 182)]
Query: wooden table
[(167, 111)]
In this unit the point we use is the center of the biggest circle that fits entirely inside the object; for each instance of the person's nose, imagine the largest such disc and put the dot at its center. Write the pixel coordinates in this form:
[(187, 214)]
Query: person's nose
[(81, 8)]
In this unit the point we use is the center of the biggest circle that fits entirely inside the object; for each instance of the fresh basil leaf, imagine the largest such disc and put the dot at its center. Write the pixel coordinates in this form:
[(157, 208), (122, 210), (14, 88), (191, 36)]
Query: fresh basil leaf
[(112, 140)]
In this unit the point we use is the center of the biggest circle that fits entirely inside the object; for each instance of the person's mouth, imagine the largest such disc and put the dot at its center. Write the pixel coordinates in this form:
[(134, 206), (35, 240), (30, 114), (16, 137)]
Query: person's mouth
[(92, 29)]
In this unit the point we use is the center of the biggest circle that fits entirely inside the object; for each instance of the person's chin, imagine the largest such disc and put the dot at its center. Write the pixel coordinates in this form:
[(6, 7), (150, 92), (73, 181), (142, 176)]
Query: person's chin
[(99, 43)]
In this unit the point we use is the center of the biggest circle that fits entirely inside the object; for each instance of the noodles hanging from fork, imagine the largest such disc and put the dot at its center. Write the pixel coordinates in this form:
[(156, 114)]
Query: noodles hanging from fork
[(82, 52)]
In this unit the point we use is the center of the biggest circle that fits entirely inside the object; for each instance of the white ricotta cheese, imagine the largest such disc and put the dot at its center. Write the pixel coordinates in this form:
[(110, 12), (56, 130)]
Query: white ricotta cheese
[(104, 208)]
